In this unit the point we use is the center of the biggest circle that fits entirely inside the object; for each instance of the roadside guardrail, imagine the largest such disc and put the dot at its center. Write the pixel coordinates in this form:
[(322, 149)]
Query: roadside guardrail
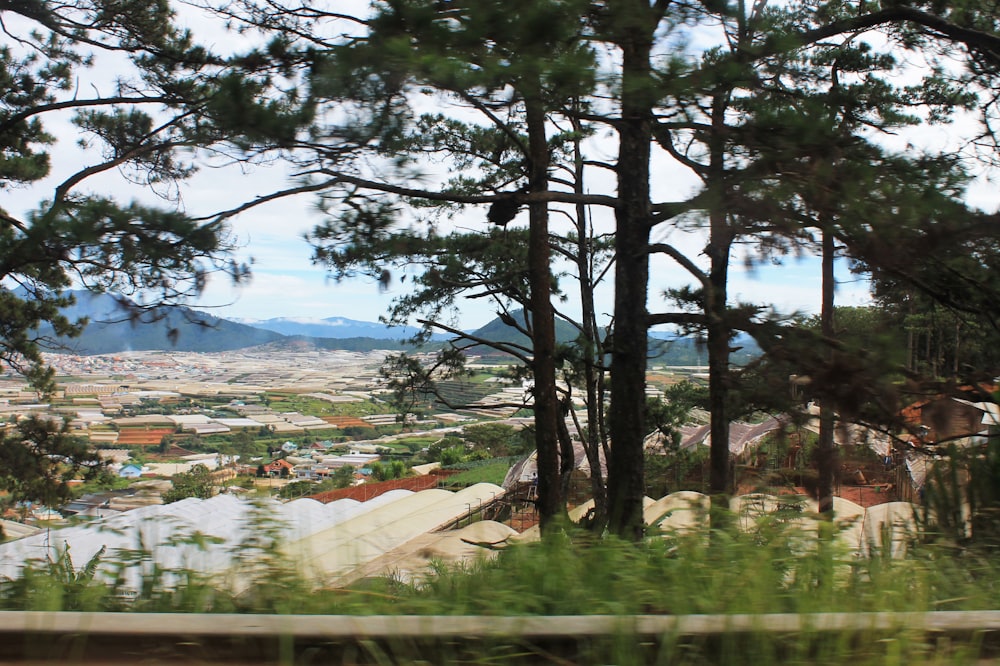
[(153, 638)]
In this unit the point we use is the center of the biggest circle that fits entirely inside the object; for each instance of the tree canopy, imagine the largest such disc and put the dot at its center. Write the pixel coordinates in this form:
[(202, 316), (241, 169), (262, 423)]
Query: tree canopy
[(411, 117), (783, 114), (100, 99), (168, 104)]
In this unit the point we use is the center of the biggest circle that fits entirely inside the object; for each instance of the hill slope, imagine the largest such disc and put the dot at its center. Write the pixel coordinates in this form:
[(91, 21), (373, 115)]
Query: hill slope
[(110, 330), (663, 349), (331, 327)]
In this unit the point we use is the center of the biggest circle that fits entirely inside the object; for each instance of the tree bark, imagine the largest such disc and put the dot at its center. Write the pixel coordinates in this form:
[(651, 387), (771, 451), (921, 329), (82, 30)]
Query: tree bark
[(720, 481), (546, 402), (593, 355), (626, 479), (827, 454), (716, 319)]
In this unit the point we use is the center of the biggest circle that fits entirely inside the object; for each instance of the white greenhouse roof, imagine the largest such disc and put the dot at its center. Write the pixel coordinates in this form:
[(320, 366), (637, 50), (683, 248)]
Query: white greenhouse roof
[(196, 534), (14, 530), (239, 423), (681, 511), (415, 559), (334, 553), (189, 419), (859, 530), (395, 532)]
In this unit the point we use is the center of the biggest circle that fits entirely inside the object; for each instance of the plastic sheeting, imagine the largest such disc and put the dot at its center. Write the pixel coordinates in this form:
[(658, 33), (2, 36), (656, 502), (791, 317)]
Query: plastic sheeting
[(415, 559), (679, 512), (333, 553), (888, 528), (881, 528), (196, 534), (742, 436)]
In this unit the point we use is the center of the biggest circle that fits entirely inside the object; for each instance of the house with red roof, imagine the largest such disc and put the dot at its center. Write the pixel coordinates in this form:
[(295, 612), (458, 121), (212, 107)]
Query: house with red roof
[(279, 467)]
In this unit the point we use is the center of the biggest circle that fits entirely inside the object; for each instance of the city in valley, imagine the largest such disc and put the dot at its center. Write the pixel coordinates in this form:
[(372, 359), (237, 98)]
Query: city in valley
[(256, 419), (300, 422)]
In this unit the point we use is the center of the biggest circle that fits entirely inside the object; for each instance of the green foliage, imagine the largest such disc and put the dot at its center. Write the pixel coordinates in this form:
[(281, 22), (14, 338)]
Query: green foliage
[(169, 98), (57, 585), (245, 445), (293, 402), (395, 469), (39, 458), (678, 575), (104, 481), (360, 432), (196, 483), (496, 439), (762, 570), (678, 469), (342, 477), (491, 470), (943, 339), (270, 581), (447, 451), (666, 417), (962, 496), (413, 444), (297, 489)]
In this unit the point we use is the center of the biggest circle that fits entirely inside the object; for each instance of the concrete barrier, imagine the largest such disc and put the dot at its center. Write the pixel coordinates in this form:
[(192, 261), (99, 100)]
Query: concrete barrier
[(111, 638)]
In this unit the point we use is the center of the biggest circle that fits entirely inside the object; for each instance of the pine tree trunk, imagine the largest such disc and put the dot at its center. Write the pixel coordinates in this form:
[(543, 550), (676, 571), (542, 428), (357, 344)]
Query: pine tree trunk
[(958, 341), (546, 407), (718, 330), (593, 354), (632, 224), (827, 453), (720, 483)]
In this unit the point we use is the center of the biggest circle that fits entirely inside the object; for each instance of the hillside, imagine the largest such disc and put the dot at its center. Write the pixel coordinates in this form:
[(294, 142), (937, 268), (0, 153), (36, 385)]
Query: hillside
[(501, 332), (664, 349), (110, 330), (332, 327), (302, 343), (182, 329)]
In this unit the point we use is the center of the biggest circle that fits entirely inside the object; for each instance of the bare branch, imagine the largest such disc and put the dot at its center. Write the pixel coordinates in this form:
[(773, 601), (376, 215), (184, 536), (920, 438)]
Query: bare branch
[(676, 318), (519, 352), (13, 120), (682, 259)]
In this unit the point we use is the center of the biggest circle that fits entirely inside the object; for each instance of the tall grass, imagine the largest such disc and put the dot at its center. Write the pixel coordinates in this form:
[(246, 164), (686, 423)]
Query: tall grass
[(765, 570)]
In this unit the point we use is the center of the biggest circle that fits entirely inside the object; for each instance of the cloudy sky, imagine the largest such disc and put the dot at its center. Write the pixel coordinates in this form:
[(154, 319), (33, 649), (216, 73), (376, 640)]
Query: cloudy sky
[(285, 283)]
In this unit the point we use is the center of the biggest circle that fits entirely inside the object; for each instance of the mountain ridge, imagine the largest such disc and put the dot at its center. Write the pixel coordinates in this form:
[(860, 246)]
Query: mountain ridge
[(114, 329), (330, 327)]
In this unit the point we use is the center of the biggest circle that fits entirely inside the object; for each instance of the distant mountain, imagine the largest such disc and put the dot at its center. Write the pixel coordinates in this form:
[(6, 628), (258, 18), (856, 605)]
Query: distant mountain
[(663, 349), (111, 329), (301, 343), (669, 349), (498, 331), (180, 328), (331, 327)]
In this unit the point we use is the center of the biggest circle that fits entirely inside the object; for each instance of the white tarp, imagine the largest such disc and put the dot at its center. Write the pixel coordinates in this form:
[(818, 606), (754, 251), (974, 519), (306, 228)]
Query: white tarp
[(680, 512), (202, 535), (330, 554)]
